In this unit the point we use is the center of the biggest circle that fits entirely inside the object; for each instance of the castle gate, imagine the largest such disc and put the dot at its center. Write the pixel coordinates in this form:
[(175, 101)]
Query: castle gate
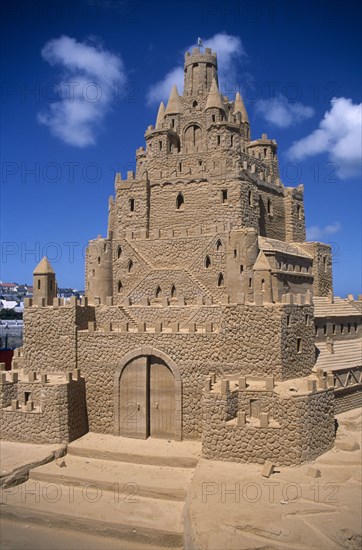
[(148, 396)]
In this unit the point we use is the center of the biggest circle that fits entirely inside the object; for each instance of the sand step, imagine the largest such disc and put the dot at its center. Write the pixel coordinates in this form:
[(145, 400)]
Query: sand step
[(156, 452), (159, 482), (91, 509)]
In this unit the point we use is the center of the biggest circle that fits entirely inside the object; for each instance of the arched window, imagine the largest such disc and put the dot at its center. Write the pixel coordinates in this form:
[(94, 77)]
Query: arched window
[(269, 207), (39, 283), (158, 292), (218, 245), (93, 273), (250, 198), (119, 286), (325, 264), (131, 205), (173, 291), (299, 212), (194, 104), (193, 138), (262, 284), (130, 266), (220, 280), (180, 201), (105, 247), (207, 261), (119, 251), (99, 260)]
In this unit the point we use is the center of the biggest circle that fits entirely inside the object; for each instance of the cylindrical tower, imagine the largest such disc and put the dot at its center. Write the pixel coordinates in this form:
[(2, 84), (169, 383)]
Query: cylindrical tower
[(99, 269), (199, 71)]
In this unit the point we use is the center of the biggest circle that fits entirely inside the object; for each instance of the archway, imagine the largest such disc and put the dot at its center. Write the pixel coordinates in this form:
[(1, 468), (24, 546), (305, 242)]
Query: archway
[(147, 396)]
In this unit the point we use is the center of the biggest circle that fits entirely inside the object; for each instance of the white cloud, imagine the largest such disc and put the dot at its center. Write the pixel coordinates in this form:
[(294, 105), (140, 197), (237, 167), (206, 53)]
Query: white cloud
[(161, 90), (280, 112), (339, 135), (316, 233), (229, 51), (89, 81)]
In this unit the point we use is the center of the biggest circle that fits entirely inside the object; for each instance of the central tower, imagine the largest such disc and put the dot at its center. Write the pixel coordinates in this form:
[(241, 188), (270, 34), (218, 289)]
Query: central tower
[(199, 71)]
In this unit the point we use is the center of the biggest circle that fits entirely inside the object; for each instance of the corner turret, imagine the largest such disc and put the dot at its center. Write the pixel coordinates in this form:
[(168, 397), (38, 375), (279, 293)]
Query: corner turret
[(45, 286)]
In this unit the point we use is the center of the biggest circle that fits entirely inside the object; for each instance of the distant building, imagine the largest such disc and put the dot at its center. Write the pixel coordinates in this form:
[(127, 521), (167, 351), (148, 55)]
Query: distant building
[(8, 288)]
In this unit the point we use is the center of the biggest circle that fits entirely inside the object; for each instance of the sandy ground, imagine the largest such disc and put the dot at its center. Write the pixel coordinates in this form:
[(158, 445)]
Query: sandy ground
[(231, 506), (16, 535), (16, 459)]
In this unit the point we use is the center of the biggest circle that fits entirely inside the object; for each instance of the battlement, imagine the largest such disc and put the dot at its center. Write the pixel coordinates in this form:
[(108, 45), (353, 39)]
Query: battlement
[(151, 328), (197, 56), (73, 301), (269, 387), (143, 234), (27, 392)]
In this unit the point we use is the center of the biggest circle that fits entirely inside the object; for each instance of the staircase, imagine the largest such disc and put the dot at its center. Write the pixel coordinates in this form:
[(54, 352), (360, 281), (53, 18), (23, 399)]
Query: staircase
[(130, 319), (130, 489)]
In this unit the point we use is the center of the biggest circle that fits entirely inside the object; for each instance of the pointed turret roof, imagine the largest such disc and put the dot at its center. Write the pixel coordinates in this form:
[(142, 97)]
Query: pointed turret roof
[(43, 267), (160, 115), (261, 263), (174, 104), (239, 107), (214, 99)]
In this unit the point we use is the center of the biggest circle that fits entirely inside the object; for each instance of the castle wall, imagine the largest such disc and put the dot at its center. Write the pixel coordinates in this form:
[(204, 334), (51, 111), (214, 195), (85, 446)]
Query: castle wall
[(294, 215), (348, 398), (50, 338), (322, 267), (294, 430), (271, 213), (57, 415), (337, 328), (297, 326)]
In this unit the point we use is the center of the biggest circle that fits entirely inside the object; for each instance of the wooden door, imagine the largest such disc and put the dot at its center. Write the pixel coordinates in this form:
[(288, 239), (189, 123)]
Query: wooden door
[(134, 403), (162, 399)]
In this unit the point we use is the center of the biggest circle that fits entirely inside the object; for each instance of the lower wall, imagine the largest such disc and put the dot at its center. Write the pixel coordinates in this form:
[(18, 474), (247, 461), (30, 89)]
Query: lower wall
[(301, 428), (59, 414), (348, 398)]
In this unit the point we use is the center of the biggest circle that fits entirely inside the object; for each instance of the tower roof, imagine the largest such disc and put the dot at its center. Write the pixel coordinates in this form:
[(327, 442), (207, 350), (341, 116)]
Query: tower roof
[(160, 115), (261, 263), (43, 267), (214, 99), (239, 107), (174, 104)]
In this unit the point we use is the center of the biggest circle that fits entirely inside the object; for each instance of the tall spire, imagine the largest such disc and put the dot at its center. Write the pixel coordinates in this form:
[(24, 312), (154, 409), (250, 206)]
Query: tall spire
[(160, 116), (214, 99), (239, 107), (174, 104)]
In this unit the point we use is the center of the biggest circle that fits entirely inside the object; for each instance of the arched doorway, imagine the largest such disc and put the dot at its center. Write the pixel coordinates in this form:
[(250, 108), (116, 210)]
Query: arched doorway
[(148, 396)]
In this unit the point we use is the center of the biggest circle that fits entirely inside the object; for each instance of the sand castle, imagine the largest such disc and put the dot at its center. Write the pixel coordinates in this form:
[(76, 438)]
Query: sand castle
[(207, 315)]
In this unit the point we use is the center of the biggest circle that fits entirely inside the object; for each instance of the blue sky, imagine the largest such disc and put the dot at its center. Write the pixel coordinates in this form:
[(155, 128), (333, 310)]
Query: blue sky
[(81, 81)]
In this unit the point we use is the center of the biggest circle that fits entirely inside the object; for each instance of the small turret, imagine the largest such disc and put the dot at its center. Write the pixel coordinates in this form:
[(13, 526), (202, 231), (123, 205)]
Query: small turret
[(45, 286), (214, 99), (262, 278), (160, 116), (174, 104), (239, 107)]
